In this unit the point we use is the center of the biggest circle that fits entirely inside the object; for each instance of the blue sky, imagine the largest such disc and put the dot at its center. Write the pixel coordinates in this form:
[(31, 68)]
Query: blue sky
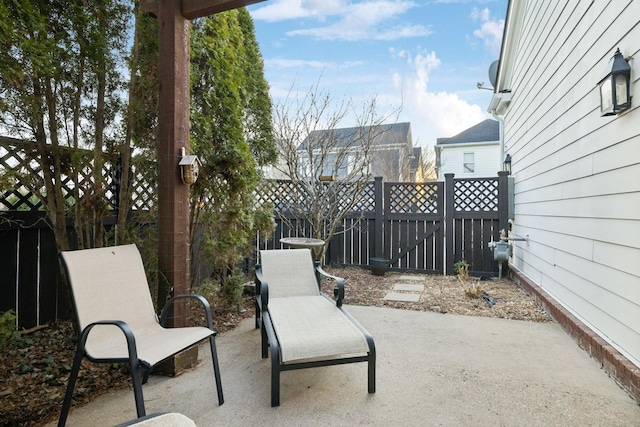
[(424, 55)]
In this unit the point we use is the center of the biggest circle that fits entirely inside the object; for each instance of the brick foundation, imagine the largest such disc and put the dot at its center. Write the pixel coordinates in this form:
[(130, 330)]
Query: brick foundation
[(625, 373)]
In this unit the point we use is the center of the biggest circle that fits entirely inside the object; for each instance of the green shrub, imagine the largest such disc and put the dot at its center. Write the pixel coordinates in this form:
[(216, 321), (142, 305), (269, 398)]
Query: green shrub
[(233, 286), (8, 332)]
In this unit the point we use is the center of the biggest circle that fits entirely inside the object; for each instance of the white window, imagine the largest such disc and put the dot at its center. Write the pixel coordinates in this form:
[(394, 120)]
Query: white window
[(468, 165), (304, 167)]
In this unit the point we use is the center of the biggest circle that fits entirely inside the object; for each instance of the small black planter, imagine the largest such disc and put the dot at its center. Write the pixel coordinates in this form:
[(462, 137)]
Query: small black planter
[(379, 266)]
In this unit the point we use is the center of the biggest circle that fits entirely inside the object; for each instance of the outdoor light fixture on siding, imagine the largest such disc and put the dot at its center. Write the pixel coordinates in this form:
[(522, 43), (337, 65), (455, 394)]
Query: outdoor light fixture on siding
[(615, 91), (506, 165)]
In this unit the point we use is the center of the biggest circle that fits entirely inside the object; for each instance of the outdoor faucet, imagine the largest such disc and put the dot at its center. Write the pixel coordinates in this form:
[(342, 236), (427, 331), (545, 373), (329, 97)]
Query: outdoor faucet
[(505, 238)]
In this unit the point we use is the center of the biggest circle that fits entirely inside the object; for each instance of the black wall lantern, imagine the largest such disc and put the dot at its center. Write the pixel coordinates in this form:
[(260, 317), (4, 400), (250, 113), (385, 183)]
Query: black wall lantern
[(615, 90), (506, 165)]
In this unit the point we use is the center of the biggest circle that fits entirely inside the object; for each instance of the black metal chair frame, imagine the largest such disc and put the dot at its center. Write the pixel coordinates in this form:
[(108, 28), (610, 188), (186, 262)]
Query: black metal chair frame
[(271, 342), (138, 368)]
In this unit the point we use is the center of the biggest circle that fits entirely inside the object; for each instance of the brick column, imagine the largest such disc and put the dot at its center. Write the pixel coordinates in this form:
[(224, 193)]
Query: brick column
[(173, 134)]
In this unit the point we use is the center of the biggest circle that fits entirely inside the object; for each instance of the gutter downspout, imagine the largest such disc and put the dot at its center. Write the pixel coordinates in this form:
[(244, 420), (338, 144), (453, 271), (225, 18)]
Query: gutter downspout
[(500, 120)]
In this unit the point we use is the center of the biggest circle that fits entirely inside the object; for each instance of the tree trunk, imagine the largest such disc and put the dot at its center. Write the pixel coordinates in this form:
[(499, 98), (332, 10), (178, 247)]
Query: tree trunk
[(98, 205), (124, 196), (51, 165)]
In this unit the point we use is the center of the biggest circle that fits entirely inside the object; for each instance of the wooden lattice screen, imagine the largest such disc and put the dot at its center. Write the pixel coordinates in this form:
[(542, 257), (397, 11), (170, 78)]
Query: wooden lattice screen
[(28, 263), (21, 167), (285, 195), (407, 223), (476, 195)]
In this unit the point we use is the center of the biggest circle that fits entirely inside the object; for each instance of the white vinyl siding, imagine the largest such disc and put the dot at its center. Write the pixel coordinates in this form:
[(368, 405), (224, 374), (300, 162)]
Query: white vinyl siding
[(485, 160), (577, 175)]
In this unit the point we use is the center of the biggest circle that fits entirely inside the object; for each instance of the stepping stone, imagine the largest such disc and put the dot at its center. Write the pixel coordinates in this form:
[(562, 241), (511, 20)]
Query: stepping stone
[(412, 278), (397, 296), (408, 288)]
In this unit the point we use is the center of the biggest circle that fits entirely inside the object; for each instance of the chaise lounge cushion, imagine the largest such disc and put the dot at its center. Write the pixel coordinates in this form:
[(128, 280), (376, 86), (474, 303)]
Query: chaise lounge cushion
[(310, 328), (289, 273)]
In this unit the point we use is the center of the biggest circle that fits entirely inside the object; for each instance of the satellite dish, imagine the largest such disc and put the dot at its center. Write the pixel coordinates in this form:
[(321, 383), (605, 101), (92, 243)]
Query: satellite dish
[(493, 73)]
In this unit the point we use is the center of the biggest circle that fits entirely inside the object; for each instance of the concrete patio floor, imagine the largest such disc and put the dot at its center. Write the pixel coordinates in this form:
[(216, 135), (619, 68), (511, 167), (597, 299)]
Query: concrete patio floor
[(432, 370)]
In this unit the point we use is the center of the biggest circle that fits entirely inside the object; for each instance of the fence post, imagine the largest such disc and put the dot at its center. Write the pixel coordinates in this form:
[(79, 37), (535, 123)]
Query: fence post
[(449, 209), (379, 221)]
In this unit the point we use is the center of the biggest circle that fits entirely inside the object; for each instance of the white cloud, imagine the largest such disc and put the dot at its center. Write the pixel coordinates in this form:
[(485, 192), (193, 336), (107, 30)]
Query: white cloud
[(298, 63), (282, 10), (490, 31), (370, 20), (302, 64), (347, 32), (432, 114)]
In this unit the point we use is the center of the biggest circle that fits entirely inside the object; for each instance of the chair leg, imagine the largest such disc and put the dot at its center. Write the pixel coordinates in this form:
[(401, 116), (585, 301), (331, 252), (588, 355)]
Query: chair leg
[(134, 365), (257, 318), (145, 376), (275, 383), (372, 373), (216, 369), (75, 369), (265, 341)]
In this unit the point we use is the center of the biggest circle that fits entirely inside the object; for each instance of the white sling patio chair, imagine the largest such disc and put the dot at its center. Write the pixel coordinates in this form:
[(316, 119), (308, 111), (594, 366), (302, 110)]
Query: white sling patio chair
[(117, 321), (302, 327)]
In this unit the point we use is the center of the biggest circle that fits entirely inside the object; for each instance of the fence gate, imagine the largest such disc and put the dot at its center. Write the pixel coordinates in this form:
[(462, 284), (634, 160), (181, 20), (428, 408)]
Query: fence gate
[(476, 211), (414, 226)]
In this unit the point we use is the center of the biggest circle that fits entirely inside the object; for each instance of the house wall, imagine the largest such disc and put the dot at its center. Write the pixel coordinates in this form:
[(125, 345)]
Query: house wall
[(486, 158), (577, 174)]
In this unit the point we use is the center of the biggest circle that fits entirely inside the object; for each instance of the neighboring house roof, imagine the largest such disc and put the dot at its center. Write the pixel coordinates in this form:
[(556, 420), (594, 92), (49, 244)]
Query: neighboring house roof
[(385, 135), (488, 130)]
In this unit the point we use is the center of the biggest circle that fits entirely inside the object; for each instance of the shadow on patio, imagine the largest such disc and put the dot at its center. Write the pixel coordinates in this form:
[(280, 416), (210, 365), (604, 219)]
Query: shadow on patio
[(432, 369)]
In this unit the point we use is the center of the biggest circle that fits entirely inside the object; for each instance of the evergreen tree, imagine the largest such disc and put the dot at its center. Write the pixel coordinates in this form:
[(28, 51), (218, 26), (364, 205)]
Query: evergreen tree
[(232, 134), (60, 86), (258, 124), (63, 85)]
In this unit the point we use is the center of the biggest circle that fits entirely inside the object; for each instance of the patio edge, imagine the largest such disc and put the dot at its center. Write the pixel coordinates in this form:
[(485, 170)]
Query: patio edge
[(625, 373)]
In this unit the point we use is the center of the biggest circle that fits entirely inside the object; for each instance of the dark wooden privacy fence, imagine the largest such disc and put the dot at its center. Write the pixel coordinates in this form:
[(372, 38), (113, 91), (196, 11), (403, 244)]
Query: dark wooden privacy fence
[(29, 270), (422, 227)]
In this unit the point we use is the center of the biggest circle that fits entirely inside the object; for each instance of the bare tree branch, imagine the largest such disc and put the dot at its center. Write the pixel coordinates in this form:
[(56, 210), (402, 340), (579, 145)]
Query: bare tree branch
[(329, 165)]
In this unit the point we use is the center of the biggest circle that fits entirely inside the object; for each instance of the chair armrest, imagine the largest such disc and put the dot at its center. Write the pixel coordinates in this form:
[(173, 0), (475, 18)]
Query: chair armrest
[(128, 335), (262, 289), (259, 279), (203, 301), (338, 291)]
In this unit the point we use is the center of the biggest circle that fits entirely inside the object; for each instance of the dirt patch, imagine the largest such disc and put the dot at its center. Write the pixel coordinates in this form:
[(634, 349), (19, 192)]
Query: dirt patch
[(35, 369), (443, 294)]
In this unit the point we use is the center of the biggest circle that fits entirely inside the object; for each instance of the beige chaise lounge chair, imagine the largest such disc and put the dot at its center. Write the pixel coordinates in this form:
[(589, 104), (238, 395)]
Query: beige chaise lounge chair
[(303, 327), (117, 320)]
